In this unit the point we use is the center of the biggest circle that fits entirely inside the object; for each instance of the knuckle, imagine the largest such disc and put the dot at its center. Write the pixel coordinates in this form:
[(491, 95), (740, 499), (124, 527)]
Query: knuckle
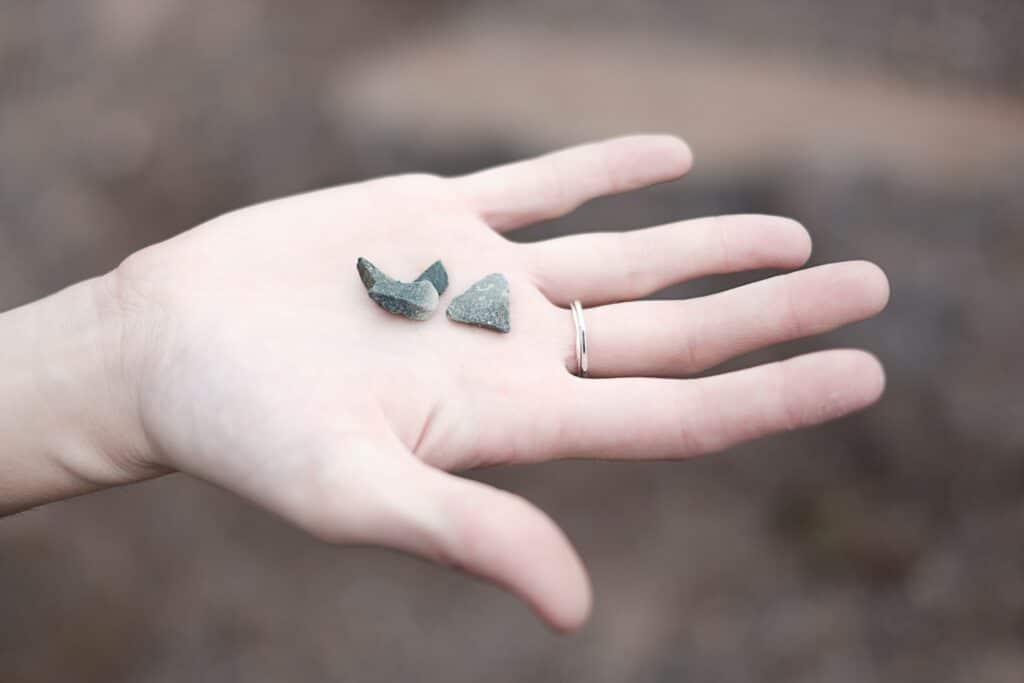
[(794, 325), (552, 188), (788, 414), (723, 242), (692, 357), (693, 429), (624, 255)]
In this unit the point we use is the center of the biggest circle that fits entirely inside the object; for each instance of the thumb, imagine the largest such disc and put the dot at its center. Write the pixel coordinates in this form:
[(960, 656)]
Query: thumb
[(506, 539), (478, 528), (386, 496)]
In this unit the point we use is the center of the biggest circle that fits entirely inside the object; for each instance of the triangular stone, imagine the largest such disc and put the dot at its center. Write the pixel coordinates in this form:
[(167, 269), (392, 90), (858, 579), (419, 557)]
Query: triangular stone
[(484, 304)]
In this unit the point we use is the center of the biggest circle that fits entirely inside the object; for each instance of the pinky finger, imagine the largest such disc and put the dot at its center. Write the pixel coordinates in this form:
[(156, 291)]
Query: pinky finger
[(639, 418)]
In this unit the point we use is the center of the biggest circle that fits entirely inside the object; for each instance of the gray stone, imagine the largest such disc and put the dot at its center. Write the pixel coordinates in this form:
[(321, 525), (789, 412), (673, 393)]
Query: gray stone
[(370, 274), (484, 304), (435, 275), (414, 300)]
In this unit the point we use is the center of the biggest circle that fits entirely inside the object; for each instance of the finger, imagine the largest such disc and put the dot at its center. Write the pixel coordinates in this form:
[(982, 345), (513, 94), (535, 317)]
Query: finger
[(502, 537), (525, 192), (678, 338), (640, 418), (604, 267), (401, 503)]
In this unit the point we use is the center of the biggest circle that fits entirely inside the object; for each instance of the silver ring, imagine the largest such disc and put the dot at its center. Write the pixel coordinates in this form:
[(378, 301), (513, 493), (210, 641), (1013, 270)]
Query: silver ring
[(582, 362)]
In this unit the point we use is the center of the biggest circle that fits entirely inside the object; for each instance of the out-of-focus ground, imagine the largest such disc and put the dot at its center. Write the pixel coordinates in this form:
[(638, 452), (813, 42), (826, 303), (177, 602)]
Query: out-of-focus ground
[(885, 547)]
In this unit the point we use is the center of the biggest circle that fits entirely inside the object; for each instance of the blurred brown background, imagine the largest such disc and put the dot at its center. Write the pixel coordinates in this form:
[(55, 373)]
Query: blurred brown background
[(886, 547)]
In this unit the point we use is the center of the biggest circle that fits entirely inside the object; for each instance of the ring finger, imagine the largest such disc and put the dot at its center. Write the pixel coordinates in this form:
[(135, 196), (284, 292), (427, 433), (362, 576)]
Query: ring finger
[(679, 338)]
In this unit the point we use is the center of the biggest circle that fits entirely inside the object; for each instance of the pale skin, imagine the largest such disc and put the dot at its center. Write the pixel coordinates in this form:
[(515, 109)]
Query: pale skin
[(246, 352)]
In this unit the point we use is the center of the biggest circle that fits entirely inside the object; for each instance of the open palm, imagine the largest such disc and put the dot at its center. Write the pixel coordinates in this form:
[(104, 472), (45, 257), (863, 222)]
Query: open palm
[(261, 365)]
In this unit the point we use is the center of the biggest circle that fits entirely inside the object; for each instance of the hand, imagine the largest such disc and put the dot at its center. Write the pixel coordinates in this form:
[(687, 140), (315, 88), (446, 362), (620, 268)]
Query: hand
[(258, 362)]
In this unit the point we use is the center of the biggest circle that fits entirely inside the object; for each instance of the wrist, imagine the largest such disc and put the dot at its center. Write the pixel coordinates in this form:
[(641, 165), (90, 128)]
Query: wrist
[(68, 404)]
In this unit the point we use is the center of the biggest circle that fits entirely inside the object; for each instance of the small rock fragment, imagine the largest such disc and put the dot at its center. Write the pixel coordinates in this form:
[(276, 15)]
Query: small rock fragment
[(414, 300), (369, 273), (484, 304), (435, 275)]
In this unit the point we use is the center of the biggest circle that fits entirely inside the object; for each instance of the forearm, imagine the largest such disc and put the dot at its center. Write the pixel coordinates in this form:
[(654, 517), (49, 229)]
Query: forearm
[(66, 416)]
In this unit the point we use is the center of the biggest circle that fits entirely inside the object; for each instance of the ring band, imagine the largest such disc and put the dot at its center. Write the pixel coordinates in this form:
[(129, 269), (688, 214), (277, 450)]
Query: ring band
[(582, 362)]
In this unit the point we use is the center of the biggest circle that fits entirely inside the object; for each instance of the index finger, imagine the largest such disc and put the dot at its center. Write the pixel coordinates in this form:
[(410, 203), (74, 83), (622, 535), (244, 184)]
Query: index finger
[(524, 192)]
